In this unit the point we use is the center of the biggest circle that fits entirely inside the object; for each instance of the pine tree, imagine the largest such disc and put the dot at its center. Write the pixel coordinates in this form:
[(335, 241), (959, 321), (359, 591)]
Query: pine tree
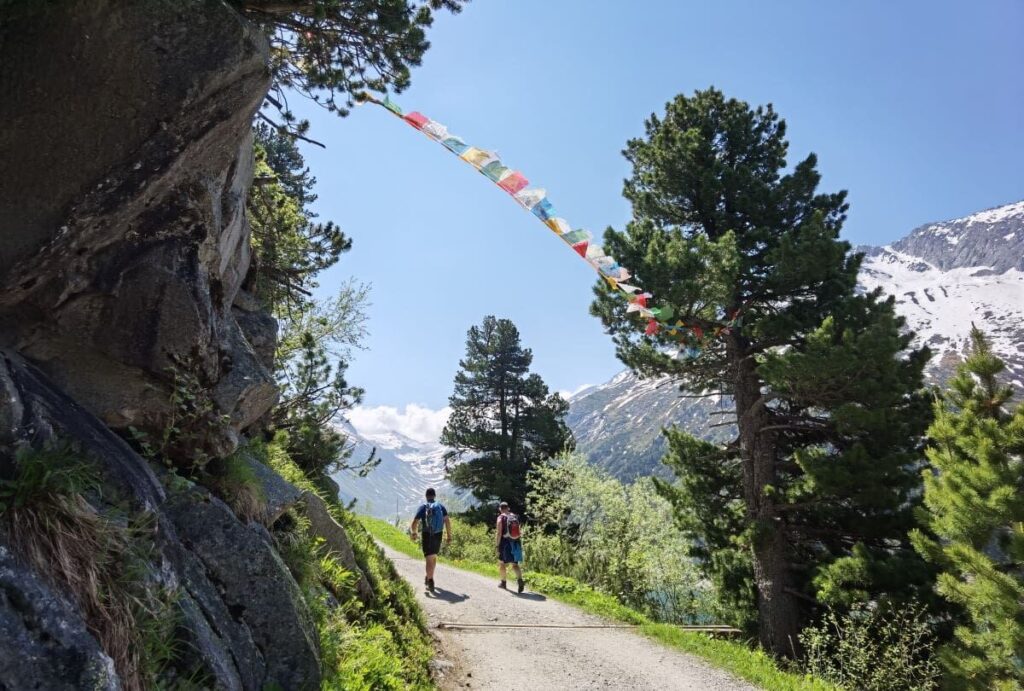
[(289, 246), (502, 415), (331, 50), (811, 502), (974, 504), (314, 393)]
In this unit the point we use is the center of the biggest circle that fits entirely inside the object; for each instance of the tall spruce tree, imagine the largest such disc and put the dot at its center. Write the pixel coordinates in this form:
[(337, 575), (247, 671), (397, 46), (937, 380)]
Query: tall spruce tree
[(503, 416), (974, 504), (811, 502)]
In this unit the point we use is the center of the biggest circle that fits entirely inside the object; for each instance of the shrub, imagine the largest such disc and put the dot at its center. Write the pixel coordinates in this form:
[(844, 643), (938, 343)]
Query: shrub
[(234, 481), (619, 538), (874, 649), (194, 427)]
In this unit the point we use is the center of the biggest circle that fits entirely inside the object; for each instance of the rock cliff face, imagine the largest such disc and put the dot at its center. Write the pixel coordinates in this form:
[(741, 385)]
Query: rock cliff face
[(125, 160)]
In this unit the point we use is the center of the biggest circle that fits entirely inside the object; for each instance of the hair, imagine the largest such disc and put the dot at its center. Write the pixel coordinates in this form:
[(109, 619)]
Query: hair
[(503, 505), (431, 492)]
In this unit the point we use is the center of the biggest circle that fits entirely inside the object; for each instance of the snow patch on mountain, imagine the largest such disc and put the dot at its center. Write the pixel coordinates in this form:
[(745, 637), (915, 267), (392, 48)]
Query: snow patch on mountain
[(396, 486)]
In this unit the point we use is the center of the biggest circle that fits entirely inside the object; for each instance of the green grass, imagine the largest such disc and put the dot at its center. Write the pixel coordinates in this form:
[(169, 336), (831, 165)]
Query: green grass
[(382, 645), (753, 665)]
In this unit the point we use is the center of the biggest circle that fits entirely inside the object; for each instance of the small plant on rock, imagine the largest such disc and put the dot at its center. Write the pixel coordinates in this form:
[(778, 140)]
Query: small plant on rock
[(188, 440)]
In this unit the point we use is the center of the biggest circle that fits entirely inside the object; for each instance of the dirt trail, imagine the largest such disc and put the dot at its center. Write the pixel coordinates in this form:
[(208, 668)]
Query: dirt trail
[(542, 658)]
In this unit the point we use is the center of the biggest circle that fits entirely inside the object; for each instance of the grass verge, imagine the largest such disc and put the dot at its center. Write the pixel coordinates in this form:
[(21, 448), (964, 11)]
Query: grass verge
[(750, 664), (379, 645)]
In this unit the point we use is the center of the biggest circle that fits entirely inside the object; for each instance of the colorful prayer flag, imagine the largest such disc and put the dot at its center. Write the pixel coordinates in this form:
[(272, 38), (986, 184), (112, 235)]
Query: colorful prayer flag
[(544, 210), (494, 170), (531, 197), (477, 157), (535, 200), (559, 225), (435, 130), (576, 236), (417, 120), (513, 183), (455, 145)]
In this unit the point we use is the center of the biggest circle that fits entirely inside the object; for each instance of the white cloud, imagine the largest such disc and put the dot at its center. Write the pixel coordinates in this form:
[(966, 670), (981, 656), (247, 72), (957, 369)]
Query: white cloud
[(415, 421), (566, 394)]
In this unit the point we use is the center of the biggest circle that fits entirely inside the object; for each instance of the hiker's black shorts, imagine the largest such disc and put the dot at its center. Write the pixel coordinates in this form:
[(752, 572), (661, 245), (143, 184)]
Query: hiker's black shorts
[(431, 543)]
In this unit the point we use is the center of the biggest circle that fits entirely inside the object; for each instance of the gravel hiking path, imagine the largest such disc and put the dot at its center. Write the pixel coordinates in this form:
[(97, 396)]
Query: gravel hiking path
[(536, 657)]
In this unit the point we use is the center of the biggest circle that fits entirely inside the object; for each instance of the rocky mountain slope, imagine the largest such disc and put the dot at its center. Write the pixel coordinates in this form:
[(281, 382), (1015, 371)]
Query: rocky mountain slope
[(944, 276), (395, 487)]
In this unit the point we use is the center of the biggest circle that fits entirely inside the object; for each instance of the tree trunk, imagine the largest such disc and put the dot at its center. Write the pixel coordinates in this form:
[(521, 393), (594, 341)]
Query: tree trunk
[(779, 612)]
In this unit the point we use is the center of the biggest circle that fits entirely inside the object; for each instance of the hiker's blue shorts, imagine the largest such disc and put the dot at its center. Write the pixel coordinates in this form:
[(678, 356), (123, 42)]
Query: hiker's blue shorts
[(510, 551)]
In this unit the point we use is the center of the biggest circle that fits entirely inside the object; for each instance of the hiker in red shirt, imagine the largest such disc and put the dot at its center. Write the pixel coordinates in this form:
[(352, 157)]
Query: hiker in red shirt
[(510, 547)]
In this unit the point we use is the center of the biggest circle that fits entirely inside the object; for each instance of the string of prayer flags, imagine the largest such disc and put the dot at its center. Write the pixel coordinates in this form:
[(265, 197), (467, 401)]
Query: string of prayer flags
[(534, 199)]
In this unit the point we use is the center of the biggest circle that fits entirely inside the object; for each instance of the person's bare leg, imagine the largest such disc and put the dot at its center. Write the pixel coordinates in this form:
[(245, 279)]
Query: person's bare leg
[(501, 570), (519, 571), (431, 563)]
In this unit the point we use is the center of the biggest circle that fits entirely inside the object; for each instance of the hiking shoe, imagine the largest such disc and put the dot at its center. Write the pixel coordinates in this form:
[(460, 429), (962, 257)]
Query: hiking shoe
[(430, 584), (502, 585), (426, 581), (522, 584)]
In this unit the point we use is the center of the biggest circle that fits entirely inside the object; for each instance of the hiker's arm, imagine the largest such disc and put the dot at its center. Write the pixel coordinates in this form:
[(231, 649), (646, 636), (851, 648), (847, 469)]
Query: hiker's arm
[(448, 527), (497, 533), (412, 527)]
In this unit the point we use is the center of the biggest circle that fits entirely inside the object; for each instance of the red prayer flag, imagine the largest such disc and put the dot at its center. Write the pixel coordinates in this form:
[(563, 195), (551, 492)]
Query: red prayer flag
[(514, 183), (417, 120), (652, 328), (581, 248)]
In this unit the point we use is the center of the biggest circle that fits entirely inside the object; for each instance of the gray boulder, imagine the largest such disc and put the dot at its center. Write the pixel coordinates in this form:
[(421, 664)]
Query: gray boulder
[(255, 585), (278, 494), (43, 641)]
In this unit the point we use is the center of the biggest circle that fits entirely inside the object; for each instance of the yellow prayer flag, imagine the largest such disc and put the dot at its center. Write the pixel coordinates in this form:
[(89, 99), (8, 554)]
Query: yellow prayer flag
[(478, 157), (559, 225)]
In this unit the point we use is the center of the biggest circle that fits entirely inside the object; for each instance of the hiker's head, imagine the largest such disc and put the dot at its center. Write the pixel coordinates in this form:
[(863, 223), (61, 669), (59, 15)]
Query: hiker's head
[(503, 507), (431, 494)]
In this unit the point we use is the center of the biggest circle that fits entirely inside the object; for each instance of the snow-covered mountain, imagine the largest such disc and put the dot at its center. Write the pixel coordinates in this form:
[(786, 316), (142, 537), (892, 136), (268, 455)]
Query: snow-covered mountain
[(396, 486), (944, 276), (947, 275)]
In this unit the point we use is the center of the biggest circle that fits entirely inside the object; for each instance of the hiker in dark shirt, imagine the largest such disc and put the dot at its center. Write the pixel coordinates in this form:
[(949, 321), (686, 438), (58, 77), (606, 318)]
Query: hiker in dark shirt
[(434, 517), (510, 547)]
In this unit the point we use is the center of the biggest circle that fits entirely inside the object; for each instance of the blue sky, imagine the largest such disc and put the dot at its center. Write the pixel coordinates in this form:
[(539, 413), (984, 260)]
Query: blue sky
[(916, 108)]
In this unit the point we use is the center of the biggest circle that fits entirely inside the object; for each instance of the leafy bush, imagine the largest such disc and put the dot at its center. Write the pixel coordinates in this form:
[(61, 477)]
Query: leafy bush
[(873, 649), (618, 538), (471, 542)]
